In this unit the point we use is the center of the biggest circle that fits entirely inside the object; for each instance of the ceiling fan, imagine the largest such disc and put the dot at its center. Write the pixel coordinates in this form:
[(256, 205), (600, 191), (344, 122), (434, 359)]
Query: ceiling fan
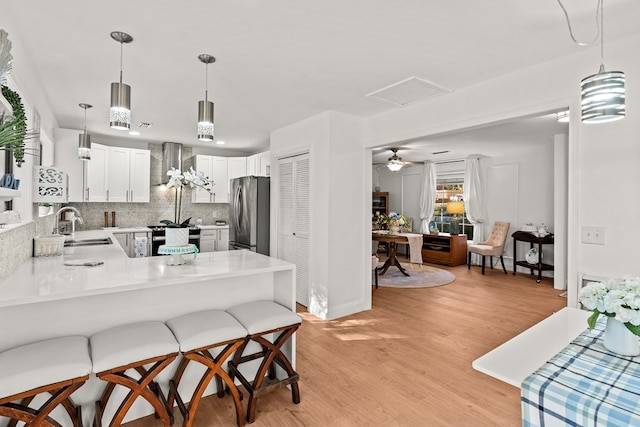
[(395, 162)]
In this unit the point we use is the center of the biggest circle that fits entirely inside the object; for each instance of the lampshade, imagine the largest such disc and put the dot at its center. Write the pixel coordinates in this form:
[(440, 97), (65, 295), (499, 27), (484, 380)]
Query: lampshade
[(205, 121), (395, 165), (205, 108), (455, 208), (84, 139), (603, 97), (120, 111)]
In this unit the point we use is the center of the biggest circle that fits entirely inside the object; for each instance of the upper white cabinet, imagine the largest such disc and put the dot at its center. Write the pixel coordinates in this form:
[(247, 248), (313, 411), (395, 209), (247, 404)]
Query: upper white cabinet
[(259, 164), (217, 169), (129, 176), (97, 174), (237, 167), (114, 174)]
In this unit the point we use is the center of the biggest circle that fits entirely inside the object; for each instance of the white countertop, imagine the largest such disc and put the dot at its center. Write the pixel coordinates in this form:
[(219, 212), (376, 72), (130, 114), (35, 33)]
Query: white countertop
[(47, 278), (522, 355), (117, 230)]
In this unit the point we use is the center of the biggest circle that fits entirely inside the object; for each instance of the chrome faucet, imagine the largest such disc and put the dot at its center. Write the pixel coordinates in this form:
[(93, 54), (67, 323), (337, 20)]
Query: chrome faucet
[(78, 217)]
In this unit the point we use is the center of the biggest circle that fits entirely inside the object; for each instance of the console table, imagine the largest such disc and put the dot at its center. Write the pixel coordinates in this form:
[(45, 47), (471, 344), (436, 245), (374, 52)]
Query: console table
[(525, 236), (444, 248)]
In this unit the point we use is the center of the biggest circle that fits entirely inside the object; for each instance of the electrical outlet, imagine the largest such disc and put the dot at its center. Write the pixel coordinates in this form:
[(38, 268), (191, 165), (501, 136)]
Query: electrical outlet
[(593, 235)]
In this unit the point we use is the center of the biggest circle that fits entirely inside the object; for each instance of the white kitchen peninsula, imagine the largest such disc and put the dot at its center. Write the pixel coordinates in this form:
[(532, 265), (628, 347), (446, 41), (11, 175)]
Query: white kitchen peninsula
[(45, 299)]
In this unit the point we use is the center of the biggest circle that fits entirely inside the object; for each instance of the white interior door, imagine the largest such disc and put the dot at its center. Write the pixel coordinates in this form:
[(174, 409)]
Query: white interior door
[(293, 220)]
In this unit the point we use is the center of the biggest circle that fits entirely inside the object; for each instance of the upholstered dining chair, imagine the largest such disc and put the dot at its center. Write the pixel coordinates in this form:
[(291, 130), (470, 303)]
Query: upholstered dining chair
[(493, 246)]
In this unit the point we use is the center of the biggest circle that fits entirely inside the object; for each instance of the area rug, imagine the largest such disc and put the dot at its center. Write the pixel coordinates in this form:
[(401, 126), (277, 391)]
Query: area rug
[(420, 276)]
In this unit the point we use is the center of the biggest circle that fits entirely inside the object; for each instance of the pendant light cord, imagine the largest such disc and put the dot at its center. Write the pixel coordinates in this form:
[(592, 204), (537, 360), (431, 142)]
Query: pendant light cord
[(598, 24), (206, 82), (121, 43)]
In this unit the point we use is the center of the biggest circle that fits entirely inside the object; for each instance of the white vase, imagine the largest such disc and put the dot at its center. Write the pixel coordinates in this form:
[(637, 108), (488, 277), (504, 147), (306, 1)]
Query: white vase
[(394, 229), (619, 339), (176, 236)]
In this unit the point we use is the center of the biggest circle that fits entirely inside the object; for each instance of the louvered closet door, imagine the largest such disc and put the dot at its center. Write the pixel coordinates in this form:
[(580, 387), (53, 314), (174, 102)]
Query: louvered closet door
[(293, 220)]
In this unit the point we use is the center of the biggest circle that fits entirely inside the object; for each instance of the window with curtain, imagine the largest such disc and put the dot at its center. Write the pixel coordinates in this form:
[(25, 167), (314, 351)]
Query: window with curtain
[(450, 189)]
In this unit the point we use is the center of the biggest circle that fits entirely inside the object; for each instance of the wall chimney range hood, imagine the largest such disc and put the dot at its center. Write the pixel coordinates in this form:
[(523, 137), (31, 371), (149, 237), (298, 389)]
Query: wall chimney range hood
[(171, 158)]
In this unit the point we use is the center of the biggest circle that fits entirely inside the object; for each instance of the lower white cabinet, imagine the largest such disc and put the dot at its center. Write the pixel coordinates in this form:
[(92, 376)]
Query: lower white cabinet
[(215, 239), (135, 248)]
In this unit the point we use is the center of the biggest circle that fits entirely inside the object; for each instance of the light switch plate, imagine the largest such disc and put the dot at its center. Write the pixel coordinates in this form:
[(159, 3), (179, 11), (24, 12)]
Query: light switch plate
[(593, 235)]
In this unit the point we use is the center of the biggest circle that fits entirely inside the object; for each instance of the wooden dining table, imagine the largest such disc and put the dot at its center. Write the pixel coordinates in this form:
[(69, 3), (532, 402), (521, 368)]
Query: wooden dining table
[(392, 259)]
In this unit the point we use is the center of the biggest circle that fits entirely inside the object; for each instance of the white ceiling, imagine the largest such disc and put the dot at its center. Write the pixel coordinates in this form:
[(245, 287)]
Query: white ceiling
[(281, 61)]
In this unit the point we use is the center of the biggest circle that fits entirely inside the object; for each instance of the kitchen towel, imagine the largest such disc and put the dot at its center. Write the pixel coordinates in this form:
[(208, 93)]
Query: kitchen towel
[(140, 247), (415, 247)]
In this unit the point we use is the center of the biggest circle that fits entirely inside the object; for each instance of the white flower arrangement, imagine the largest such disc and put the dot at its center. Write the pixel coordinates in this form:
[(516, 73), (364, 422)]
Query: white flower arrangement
[(614, 298), (178, 180)]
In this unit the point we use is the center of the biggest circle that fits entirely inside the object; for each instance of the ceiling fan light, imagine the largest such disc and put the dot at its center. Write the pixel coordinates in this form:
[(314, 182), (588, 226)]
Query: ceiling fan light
[(562, 116), (395, 165)]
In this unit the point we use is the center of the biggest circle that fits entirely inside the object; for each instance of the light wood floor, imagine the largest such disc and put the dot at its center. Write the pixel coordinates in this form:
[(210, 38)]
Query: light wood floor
[(406, 362)]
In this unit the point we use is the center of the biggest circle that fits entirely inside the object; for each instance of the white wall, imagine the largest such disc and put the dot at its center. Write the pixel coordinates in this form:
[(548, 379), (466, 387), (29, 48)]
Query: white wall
[(339, 273)]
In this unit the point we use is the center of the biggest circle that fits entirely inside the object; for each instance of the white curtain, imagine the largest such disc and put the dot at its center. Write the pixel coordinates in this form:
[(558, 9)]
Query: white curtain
[(427, 195), (473, 198)]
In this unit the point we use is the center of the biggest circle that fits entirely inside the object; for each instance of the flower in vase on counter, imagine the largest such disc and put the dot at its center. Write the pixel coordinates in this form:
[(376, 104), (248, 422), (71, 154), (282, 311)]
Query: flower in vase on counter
[(614, 298), (178, 180)]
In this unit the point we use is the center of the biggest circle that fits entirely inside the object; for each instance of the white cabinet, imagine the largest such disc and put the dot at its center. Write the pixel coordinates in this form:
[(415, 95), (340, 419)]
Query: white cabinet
[(129, 175), (216, 239), (97, 174), (114, 174), (259, 164), (237, 167), (216, 168), (265, 164)]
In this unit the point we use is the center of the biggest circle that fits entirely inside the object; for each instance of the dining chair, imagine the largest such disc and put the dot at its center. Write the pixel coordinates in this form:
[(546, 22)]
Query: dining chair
[(493, 246)]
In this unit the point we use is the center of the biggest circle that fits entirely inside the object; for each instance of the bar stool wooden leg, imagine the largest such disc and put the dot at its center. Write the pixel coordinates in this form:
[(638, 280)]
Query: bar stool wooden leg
[(263, 318), (199, 334), (63, 362), (130, 348)]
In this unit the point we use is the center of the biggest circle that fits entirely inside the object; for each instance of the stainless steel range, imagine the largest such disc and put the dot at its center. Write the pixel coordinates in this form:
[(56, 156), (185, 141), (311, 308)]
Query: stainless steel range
[(157, 237)]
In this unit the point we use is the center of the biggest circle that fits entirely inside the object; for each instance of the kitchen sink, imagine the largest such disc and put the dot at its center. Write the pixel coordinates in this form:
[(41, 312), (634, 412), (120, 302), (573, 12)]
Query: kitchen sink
[(89, 242)]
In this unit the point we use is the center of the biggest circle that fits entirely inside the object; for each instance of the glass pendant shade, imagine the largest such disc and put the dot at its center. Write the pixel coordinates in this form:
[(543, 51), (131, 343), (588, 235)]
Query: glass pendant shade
[(395, 165), (120, 111), (205, 121), (84, 146), (603, 97)]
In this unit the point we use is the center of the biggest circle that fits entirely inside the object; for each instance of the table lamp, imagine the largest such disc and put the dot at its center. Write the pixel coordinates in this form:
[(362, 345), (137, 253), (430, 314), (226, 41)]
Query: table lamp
[(455, 208)]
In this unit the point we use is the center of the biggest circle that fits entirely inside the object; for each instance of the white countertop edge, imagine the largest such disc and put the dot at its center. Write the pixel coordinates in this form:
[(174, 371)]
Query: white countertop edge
[(516, 359), (122, 274)]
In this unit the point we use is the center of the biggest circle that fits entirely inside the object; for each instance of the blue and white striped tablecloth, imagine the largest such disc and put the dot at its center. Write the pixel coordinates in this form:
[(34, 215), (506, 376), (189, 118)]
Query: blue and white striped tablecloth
[(584, 385)]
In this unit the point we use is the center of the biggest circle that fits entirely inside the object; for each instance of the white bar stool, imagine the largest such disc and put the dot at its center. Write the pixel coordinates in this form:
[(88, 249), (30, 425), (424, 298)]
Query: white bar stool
[(199, 334), (129, 348), (57, 367), (262, 318)]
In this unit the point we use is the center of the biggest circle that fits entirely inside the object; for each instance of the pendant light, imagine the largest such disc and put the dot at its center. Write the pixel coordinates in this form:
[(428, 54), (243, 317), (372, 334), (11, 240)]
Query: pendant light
[(120, 111), (84, 139), (205, 108), (602, 94)]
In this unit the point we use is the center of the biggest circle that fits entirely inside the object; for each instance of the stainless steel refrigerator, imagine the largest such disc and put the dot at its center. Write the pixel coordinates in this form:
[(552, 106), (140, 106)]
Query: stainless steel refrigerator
[(249, 214)]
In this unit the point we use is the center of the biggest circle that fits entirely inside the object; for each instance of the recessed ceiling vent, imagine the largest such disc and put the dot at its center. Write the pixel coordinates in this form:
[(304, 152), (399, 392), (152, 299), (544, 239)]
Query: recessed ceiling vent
[(408, 91), (143, 125)]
